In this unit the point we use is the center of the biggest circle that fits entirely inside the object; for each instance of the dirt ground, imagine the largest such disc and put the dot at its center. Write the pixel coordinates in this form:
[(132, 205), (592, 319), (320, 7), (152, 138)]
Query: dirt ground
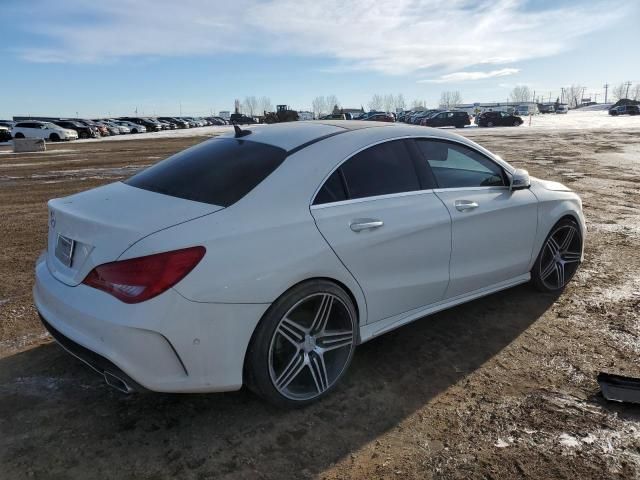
[(503, 387)]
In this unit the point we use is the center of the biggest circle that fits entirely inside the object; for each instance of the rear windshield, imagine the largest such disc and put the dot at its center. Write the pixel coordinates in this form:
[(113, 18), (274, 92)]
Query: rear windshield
[(219, 171)]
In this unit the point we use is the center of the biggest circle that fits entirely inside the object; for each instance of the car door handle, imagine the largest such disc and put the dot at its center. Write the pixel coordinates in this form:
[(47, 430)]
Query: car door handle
[(365, 224), (465, 205)]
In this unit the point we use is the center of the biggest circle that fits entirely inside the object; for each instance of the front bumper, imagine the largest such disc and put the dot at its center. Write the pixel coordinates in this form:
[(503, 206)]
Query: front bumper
[(166, 344)]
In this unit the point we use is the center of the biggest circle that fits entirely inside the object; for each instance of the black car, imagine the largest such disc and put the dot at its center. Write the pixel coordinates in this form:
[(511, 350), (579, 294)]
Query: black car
[(5, 134), (625, 110), (448, 119), (240, 119), (84, 131), (149, 124), (176, 121), (498, 119)]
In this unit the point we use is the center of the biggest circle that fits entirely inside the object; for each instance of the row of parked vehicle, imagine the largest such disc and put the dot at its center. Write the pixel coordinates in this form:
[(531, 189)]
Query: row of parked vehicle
[(459, 118), (54, 129)]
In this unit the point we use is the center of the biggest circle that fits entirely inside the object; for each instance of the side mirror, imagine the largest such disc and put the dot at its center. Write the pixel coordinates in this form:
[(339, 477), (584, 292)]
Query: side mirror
[(519, 180)]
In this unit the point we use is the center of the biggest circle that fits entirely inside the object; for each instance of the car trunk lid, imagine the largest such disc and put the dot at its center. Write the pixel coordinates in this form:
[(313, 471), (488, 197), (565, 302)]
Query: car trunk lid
[(95, 227)]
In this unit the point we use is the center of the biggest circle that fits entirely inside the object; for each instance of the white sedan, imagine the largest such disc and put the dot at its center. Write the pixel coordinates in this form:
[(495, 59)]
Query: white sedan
[(44, 130), (264, 258)]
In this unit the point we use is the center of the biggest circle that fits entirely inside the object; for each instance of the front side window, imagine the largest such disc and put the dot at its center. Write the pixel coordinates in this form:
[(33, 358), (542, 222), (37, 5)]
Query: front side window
[(219, 171), (383, 169), (457, 166)]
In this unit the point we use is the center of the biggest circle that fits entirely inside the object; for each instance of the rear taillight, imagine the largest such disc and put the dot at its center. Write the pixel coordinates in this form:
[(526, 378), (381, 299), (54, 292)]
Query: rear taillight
[(139, 279)]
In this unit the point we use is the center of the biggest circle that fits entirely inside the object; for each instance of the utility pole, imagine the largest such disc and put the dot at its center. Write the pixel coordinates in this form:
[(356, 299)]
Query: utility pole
[(606, 90), (628, 84), (562, 95)]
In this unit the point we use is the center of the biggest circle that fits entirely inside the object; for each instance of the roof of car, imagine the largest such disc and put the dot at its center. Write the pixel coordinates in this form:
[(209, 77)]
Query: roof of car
[(296, 135)]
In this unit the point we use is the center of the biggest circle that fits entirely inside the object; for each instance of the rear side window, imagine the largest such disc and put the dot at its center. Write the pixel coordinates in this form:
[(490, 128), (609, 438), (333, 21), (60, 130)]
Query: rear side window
[(380, 170), (457, 166), (219, 171)]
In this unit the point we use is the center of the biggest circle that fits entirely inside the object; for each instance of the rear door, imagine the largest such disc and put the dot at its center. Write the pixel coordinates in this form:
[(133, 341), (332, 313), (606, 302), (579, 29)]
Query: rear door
[(379, 213), (493, 228)]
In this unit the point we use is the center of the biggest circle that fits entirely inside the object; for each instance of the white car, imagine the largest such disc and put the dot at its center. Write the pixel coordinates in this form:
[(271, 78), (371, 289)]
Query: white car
[(45, 130), (133, 127), (264, 258)]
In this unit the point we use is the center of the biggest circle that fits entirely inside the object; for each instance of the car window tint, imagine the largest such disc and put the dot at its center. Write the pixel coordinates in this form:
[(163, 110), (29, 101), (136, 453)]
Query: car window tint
[(219, 171), (457, 166), (380, 170), (332, 190)]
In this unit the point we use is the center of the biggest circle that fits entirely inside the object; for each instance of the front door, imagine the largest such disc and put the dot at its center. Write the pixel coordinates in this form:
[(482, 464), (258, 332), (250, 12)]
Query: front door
[(493, 228)]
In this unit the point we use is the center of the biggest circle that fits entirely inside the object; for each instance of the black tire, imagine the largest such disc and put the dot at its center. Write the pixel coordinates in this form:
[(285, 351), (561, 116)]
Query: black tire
[(546, 257), (489, 124), (517, 123), (54, 137), (19, 135), (134, 130), (258, 361), (83, 135)]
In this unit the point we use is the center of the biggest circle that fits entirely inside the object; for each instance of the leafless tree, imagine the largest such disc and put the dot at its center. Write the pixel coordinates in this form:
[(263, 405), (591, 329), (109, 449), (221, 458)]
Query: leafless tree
[(399, 102), (619, 91), (520, 94), (236, 105), (450, 99), (376, 103), (389, 103), (265, 105), (573, 95), (418, 105), (250, 105), (635, 92), (333, 104), (319, 106)]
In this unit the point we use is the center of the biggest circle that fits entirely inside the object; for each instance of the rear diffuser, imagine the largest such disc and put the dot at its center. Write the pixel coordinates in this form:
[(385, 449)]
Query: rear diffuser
[(618, 388)]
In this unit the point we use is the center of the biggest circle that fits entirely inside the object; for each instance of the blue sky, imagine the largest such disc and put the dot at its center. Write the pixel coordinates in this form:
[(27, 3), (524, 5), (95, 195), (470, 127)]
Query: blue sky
[(111, 57)]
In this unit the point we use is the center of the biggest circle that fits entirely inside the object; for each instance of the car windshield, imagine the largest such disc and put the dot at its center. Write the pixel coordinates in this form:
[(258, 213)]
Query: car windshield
[(49, 125)]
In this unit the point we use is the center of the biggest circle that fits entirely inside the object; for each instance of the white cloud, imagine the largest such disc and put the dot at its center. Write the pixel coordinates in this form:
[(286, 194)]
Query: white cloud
[(389, 36), (464, 76)]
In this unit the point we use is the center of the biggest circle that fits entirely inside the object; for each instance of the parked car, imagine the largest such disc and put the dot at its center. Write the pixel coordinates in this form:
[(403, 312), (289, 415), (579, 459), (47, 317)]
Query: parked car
[(82, 130), (524, 110), (193, 238), (46, 130), (120, 128), (625, 110), (98, 131), (150, 126), (381, 117), (498, 119), (5, 134), (166, 125), (179, 123), (240, 119), (422, 118), (133, 127), (7, 123), (449, 118), (112, 129), (562, 108)]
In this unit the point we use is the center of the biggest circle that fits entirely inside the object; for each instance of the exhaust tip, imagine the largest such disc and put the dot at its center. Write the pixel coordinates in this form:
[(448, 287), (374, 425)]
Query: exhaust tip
[(117, 383)]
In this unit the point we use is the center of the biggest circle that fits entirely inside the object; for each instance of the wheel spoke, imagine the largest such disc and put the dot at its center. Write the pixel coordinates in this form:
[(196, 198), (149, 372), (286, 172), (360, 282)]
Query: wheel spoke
[(553, 245), (333, 340), (560, 274), (566, 242), (322, 314), (291, 371), (291, 331), (319, 372), (548, 270), (571, 257)]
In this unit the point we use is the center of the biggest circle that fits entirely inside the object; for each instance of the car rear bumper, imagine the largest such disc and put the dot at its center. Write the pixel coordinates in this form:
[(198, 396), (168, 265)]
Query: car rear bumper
[(166, 344)]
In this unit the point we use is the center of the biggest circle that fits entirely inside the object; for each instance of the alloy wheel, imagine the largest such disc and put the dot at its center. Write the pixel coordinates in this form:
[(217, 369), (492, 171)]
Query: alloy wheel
[(311, 346), (560, 257)]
